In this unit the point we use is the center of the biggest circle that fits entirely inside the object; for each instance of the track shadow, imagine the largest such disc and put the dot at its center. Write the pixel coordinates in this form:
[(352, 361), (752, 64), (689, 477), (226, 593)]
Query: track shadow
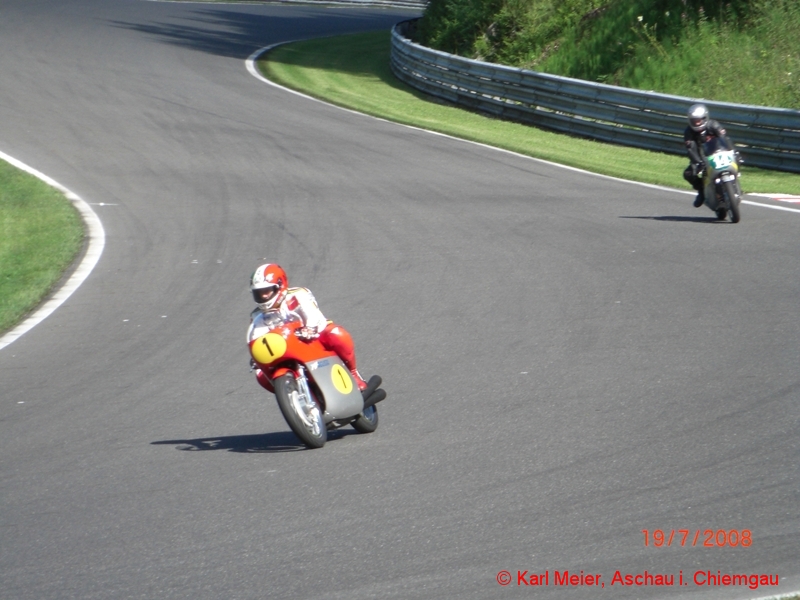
[(226, 32), (279, 441), (706, 220), (237, 34)]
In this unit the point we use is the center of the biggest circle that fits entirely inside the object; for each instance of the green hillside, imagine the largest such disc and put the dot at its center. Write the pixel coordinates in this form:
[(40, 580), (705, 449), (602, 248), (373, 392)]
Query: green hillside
[(744, 51)]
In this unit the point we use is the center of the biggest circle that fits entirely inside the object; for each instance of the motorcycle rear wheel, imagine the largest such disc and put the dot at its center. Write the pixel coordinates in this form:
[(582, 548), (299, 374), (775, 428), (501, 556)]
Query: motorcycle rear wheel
[(304, 420), (367, 421), (733, 201)]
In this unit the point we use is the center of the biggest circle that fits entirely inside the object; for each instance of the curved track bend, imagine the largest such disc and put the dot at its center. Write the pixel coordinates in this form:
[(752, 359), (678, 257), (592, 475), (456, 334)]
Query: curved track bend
[(569, 360)]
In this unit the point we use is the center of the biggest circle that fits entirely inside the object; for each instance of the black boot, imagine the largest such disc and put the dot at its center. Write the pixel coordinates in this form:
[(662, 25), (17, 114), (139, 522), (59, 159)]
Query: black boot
[(701, 198)]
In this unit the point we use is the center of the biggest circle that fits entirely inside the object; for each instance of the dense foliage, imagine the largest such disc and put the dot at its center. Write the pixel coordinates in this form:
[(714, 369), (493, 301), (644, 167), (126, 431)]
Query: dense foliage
[(745, 51)]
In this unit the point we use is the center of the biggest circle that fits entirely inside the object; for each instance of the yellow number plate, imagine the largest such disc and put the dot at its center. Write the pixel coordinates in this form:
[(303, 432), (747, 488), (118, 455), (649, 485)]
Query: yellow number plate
[(341, 379), (268, 348)]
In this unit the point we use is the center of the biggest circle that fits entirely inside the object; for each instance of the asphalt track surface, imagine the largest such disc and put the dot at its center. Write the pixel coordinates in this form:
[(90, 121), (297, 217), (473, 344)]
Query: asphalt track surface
[(569, 359)]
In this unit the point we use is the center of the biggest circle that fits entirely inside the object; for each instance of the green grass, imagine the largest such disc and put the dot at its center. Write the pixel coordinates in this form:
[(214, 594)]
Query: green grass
[(353, 71), (743, 51), (40, 235), (756, 61)]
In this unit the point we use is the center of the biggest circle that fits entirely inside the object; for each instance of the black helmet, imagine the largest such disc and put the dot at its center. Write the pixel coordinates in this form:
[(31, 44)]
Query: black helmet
[(698, 117)]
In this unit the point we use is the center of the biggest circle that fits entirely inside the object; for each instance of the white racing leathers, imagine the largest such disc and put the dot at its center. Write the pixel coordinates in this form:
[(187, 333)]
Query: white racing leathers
[(299, 305)]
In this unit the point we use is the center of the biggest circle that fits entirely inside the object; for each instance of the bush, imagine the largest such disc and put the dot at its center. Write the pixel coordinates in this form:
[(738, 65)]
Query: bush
[(733, 50)]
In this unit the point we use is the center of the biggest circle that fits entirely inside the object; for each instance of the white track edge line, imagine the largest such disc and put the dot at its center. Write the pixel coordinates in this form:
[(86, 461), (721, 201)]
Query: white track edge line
[(783, 208), (250, 64), (96, 243)]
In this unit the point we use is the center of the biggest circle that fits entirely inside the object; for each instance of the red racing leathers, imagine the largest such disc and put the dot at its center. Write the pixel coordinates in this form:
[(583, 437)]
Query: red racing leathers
[(300, 303)]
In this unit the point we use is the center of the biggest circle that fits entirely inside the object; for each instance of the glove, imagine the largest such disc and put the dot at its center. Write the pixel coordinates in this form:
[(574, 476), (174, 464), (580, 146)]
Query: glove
[(306, 333), (697, 169)]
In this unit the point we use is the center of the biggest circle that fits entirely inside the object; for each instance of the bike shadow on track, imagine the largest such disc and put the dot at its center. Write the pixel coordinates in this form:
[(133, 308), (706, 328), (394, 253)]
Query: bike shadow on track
[(712, 220), (279, 441)]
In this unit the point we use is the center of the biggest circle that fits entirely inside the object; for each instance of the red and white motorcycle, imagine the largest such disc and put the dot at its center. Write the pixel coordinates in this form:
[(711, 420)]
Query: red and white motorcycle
[(314, 389)]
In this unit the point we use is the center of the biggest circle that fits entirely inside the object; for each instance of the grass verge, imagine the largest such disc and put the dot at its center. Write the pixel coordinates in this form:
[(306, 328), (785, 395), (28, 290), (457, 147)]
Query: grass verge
[(41, 233), (353, 71)]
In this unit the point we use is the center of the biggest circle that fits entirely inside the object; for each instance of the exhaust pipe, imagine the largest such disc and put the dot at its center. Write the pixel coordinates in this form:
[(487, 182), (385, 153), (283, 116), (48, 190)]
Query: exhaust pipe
[(374, 398), (373, 384)]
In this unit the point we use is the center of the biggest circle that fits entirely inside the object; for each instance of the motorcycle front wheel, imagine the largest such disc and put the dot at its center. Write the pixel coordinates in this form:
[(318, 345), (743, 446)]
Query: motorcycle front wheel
[(302, 414), (733, 201)]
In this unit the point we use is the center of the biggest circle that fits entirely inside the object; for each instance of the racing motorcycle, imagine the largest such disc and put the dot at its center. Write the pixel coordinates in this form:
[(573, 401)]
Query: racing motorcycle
[(721, 179), (314, 389)]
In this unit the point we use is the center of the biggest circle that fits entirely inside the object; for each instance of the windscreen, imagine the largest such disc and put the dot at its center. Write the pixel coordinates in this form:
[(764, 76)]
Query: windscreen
[(713, 145)]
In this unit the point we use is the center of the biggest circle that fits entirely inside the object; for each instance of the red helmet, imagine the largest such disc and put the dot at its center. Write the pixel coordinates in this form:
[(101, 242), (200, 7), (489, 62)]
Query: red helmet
[(269, 284)]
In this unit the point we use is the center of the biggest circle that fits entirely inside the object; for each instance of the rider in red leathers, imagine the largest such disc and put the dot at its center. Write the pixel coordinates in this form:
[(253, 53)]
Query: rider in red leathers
[(271, 291)]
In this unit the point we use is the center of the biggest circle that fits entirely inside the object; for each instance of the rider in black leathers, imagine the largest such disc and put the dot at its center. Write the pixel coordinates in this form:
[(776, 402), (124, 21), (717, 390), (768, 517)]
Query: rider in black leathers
[(700, 130)]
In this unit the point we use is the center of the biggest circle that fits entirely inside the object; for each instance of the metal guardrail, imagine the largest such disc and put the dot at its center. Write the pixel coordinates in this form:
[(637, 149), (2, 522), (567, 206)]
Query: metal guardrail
[(767, 137)]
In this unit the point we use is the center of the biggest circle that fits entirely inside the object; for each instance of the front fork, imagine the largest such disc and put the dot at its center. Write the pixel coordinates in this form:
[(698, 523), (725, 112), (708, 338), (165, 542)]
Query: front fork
[(714, 191), (307, 404), (302, 385)]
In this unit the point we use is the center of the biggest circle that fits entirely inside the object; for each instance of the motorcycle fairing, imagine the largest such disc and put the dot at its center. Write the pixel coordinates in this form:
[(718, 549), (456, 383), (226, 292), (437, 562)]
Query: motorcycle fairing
[(343, 399), (720, 165)]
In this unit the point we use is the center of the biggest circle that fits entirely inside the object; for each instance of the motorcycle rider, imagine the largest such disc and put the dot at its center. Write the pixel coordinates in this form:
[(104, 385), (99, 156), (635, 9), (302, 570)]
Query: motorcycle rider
[(270, 287), (701, 129)]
